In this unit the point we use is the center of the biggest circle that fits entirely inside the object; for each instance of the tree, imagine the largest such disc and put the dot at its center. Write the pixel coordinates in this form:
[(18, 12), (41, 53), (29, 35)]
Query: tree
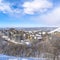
[(55, 41)]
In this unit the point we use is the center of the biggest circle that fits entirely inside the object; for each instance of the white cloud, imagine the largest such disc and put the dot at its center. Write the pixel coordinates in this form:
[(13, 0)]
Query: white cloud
[(37, 6), (7, 8), (52, 17)]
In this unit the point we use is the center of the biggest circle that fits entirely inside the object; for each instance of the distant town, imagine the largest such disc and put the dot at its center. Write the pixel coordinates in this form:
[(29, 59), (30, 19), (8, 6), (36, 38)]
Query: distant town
[(25, 34), (30, 43)]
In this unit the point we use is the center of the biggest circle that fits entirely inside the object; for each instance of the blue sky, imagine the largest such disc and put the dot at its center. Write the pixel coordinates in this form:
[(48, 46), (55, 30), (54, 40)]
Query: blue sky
[(29, 13)]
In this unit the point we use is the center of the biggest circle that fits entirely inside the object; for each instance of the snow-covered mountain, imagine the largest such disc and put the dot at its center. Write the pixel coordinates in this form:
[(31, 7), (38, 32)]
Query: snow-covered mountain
[(57, 29)]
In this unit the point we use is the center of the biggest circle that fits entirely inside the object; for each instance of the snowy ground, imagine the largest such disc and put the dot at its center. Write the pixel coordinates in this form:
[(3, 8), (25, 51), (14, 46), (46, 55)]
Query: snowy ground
[(5, 57)]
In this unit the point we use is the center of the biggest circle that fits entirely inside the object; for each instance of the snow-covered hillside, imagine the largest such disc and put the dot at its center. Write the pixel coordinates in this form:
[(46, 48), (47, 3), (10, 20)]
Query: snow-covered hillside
[(57, 29)]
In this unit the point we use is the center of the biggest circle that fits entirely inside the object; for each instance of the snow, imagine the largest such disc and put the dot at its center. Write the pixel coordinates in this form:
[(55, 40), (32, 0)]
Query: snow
[(58, 30), (5, 57), (27, 43)]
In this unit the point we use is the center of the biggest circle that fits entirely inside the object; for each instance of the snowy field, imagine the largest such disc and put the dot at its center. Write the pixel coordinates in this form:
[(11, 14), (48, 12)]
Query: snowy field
[(5, 57)]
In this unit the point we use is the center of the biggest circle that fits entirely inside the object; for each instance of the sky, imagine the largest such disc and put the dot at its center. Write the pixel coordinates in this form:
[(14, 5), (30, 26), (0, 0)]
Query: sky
[(29, 13)]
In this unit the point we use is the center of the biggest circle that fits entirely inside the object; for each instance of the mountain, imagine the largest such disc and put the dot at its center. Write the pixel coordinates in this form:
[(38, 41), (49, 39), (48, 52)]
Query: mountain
[(57, 29), (37, 28), (31, 28)]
